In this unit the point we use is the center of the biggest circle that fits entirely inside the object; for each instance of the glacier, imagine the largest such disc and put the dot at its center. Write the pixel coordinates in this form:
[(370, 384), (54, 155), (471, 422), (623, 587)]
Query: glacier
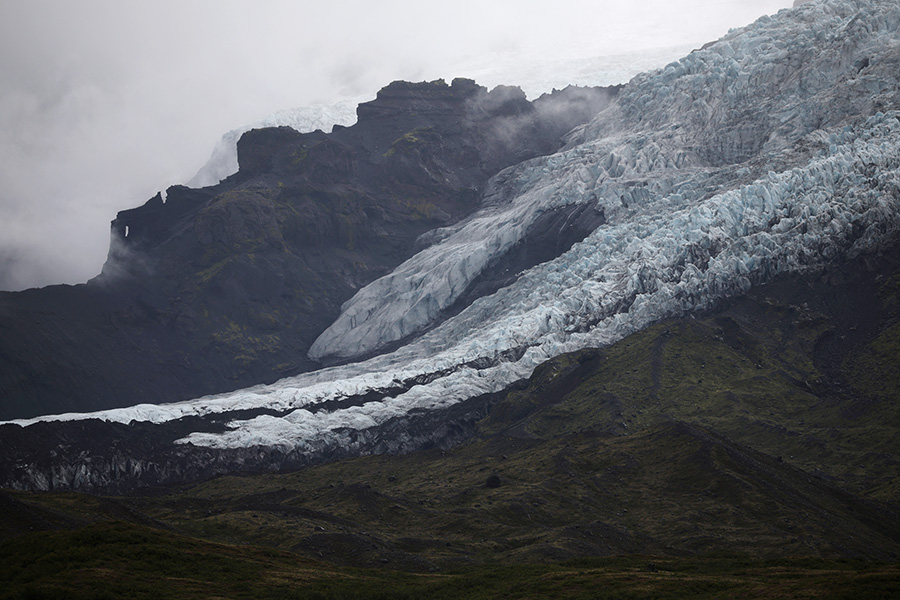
[(775, 149)]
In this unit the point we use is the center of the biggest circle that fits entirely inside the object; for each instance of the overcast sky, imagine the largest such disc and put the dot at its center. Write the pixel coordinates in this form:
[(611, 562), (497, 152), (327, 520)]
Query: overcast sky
[(105, 102)]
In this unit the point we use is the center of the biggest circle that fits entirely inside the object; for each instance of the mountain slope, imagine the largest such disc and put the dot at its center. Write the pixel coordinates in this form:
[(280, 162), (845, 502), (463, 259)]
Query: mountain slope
[(773, 150), (786, 370)]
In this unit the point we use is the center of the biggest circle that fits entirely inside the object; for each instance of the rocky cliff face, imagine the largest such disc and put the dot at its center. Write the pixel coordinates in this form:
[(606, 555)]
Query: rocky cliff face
[(212, 289)]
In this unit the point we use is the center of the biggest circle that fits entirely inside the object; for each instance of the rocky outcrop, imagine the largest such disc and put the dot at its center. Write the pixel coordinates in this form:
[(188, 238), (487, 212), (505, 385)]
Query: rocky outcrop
[(212, 289)]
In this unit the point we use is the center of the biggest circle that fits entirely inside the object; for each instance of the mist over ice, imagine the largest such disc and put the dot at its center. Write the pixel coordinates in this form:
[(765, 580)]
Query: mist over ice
[(105, 103)]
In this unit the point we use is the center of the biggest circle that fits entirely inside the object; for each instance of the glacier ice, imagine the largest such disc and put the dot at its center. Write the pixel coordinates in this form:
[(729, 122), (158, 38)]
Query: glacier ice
[(774, 150)]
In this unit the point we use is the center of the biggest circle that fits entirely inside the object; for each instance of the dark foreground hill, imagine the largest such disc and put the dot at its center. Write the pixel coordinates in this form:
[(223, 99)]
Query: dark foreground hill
[(227, 286)]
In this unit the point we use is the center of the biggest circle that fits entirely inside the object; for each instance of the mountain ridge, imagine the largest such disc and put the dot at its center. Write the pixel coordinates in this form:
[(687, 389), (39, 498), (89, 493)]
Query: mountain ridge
[(679, 233)]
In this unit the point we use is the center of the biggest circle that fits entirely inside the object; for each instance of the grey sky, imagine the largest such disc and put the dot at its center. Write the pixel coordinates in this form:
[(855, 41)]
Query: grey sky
[(105, 102)]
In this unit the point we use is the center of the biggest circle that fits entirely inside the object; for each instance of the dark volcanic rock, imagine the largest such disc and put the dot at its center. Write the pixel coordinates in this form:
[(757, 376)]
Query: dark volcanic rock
[(217, 288)]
